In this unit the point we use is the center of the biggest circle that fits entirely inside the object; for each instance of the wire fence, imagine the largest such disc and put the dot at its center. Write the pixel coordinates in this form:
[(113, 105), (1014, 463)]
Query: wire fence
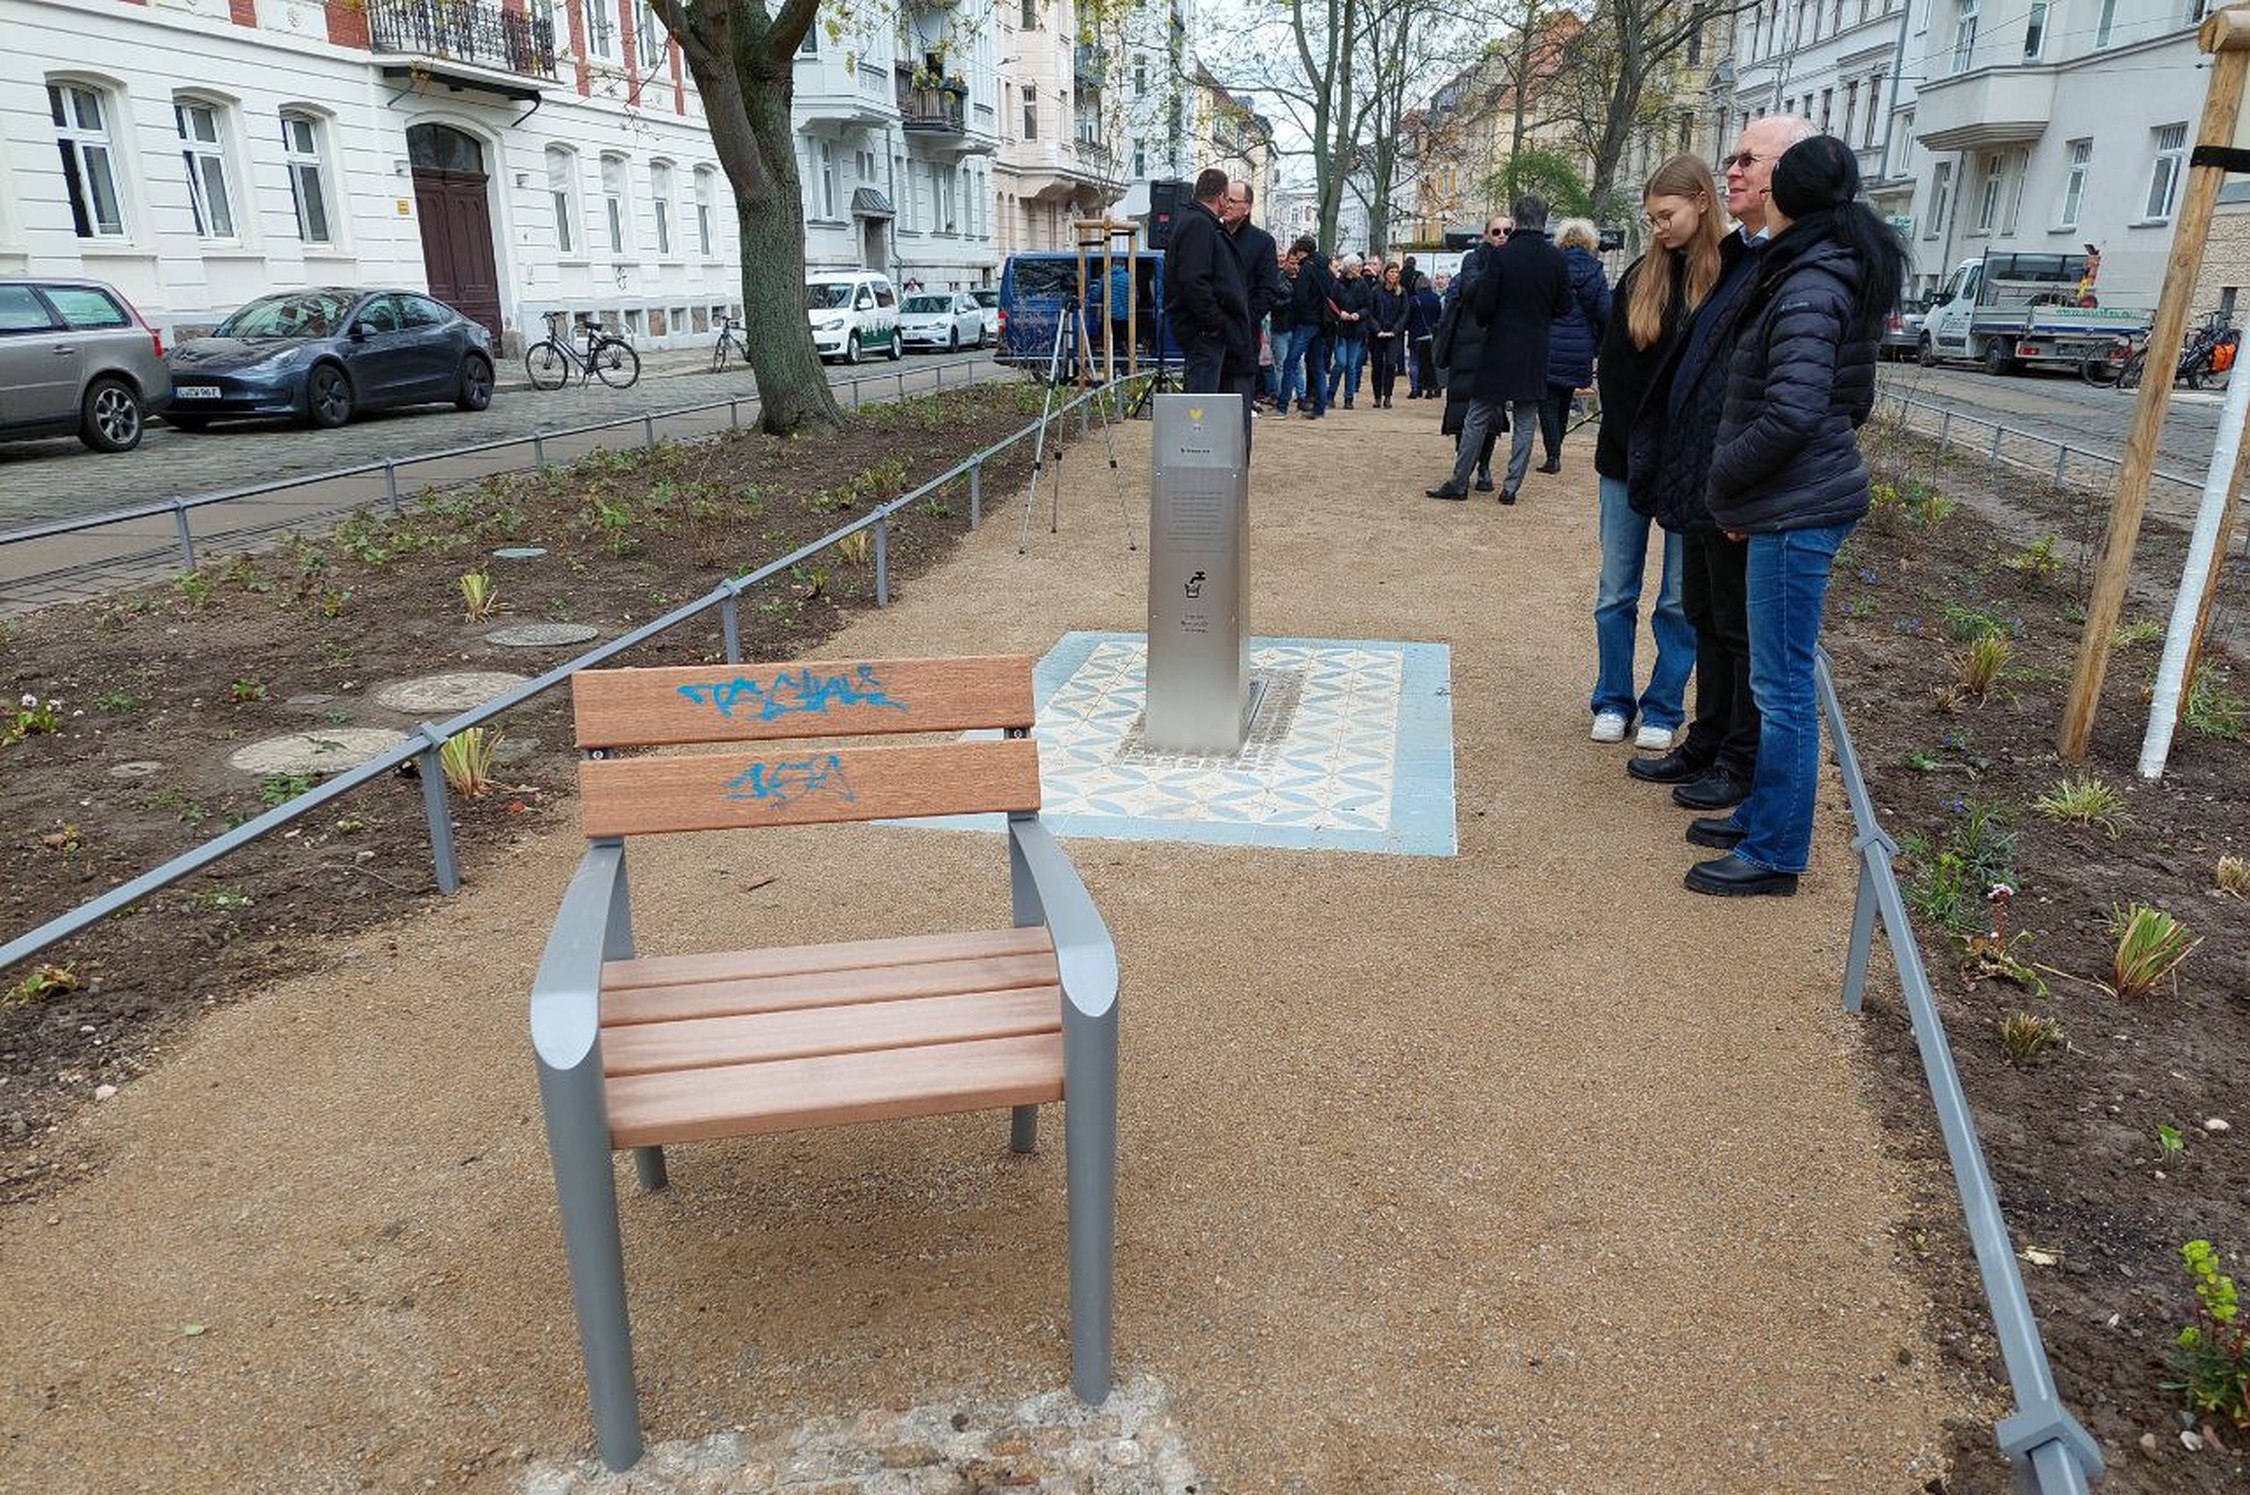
[(424, 747), (2053, 1453), (1957, 432), (66, 559)]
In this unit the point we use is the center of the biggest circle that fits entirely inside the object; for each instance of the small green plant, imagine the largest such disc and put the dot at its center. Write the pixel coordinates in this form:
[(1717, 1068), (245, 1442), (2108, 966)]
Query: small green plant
[(243, 692), (814, 579), (2026, 1039), (30, 715), (1922, 761), (2083, 799), (831, 500), (1948, 882), (2134, 635), (284, 787), (2233, 874), (333, 601), (2212, 1353), (1972, 623), (934, 507), (856, 548), (2212, 711), (2169, 1142), (468, 758), (115, 702), (190, 812), (1978, 667), (1864, 606), (1993, 952), (2036, 565), (2151, 948), (195, 587), (63, 838), (226, 900), (479, 597), (43, 982)]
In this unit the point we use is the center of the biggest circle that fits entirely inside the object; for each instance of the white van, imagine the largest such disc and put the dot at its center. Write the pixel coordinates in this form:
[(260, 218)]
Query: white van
[(852, 312)]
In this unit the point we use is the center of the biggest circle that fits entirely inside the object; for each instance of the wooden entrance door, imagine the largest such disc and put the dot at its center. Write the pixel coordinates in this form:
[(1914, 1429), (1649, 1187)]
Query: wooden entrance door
[(456, 218)]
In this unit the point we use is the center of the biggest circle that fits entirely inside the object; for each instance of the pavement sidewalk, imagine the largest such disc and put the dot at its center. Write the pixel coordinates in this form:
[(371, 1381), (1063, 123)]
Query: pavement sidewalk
[(1520, 1170)]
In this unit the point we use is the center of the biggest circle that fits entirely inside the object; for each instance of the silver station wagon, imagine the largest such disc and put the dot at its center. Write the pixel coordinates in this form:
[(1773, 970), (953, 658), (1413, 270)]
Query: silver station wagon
[(75, 358)]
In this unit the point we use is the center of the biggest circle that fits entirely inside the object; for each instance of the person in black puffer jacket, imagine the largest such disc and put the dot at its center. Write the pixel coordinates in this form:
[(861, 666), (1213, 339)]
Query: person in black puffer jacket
[(1786, 476)]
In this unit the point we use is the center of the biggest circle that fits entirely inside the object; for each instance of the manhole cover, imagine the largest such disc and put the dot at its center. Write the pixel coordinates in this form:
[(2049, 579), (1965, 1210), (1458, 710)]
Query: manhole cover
[(312, 700), (443, 695), (142, 770), (542, 635), (519, 552), (329, 751)]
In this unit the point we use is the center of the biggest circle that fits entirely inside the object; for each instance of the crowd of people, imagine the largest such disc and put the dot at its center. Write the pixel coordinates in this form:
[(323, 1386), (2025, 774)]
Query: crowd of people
[(1732, 365)]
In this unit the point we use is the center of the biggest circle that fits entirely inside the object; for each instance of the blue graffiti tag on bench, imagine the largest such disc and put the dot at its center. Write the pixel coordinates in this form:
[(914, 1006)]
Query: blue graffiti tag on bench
[(777, 784), (794, 693)]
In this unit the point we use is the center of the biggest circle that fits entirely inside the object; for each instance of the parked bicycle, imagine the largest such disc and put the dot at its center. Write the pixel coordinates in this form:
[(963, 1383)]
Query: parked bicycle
[(606, 357), (730, 337), (2205, 362)]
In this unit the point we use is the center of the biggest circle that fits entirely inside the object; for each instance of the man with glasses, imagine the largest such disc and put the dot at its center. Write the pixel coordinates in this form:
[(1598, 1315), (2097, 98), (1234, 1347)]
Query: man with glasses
[(1672, 442)]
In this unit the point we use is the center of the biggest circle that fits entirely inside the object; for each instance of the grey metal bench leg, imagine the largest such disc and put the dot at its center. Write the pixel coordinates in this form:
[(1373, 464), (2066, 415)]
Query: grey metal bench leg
[(648, 1168), (586, 1189), (1023, 1129), (1090, 1159)]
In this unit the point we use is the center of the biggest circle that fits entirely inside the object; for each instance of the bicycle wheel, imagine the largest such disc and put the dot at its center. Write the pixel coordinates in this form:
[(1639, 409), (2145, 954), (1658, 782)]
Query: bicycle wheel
[(548, 365), (719, 354), (2129, 377), (2101, 370), (616, 364)]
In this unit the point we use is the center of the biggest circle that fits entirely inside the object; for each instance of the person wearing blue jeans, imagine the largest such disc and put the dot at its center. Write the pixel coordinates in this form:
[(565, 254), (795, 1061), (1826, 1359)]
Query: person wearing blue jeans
[(1617, 612), (1786, 477)]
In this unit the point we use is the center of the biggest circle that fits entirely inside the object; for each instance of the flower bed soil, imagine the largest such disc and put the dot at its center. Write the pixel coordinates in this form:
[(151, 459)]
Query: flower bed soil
[(2097, 1210), (159, 686)]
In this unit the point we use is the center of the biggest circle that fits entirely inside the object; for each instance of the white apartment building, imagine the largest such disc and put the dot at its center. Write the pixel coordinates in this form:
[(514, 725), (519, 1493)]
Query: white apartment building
[(1154, 101), (509, 159), (1058, 160), (2051, 125), (897, 115)]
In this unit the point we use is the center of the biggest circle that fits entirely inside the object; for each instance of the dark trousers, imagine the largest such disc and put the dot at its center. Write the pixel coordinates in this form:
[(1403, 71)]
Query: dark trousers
[(1554, 414), (1713, 593), (1205, 359), (1383, 351), (1424, 376), (1317, 355)]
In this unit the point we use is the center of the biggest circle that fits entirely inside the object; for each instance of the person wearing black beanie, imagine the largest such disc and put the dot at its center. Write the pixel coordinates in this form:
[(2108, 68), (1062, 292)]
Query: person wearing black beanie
[(1786, 476)]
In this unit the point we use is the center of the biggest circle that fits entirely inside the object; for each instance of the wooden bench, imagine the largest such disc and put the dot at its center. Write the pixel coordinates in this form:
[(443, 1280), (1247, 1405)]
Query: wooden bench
[(641, 1053)]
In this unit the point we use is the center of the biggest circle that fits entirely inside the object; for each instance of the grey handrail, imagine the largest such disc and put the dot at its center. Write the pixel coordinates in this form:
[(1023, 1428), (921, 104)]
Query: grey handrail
[(2064, 451), (424, 745), (2040, 1435)]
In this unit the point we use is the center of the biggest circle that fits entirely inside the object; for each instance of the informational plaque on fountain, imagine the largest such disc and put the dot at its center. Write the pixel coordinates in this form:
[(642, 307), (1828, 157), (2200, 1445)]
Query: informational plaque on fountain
[(1198, 578)]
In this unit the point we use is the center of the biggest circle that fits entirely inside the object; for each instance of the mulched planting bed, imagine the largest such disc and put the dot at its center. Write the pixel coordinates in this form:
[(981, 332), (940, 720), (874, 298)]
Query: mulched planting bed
[(2116, 1127), (157, 688)]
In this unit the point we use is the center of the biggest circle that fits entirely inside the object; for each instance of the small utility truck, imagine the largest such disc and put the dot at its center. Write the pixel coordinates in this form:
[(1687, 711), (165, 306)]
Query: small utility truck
[(2009, 312)]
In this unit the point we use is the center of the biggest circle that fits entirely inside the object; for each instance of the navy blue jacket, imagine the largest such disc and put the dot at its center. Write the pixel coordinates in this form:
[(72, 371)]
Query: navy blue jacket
[(1800, 383), (1423, 313), (1668, 458), (1354, 295), (1578, 332), (1390, 312)]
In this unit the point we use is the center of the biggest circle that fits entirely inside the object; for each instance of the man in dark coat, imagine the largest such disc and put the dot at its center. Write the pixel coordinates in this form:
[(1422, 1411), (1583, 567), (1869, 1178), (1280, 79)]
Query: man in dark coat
[(1206, 303), (1519, 290), (1255, 251)]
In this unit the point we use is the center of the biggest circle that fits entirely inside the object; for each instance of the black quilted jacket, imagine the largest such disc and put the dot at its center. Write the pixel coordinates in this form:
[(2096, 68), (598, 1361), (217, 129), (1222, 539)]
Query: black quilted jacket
[(1668, 456), (1801, 381)]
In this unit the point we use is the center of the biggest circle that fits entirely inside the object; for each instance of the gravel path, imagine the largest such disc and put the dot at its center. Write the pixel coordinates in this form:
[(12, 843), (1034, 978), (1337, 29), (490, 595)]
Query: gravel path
[(1518, 1171)]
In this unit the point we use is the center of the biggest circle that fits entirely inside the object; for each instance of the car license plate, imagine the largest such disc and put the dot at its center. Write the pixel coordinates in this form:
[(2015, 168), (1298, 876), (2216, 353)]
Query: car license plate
[(195, 391)]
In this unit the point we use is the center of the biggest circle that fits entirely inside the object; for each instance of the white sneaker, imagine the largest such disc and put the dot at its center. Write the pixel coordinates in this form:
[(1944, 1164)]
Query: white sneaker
[(1655, 739), (1609, 727)]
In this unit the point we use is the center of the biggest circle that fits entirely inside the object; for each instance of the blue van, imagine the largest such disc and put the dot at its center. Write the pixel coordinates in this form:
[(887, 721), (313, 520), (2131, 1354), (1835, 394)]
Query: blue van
[(1036, 289)]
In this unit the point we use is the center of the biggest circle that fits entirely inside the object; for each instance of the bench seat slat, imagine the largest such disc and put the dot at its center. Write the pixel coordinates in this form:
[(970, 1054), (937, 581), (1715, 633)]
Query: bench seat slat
[(809, 698), (797, 960), (784, 785), (701, 1043), (834, 1089), (945, 978)]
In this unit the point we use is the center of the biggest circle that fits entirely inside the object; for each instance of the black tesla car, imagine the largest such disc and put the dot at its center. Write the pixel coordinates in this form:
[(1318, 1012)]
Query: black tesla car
[(324, 354)]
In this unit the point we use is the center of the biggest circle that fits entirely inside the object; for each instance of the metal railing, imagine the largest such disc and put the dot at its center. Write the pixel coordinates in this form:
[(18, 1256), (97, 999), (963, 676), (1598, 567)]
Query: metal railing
[(1999, 443), (463, 31), (183, 542), (423, 747), (2053, 1453)]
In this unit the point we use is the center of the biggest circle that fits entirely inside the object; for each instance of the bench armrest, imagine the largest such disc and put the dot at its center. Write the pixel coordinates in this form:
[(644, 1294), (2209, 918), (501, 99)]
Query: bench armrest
[(1084, 953), (566, 995)]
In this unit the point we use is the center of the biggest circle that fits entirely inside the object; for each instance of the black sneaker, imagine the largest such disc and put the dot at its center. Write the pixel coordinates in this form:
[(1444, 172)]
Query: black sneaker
[(1451, 492), (1675, 767), (1484, 484), (1716, 790)]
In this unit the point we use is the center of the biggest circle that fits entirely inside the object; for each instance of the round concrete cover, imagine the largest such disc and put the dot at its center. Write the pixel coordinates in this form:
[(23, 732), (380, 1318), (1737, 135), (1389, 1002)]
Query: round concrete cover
[(443, 695), (326, 750), (519, 552), (542, 635), (143, 769)]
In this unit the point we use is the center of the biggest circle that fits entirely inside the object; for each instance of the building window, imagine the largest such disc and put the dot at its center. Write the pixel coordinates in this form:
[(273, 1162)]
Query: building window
[(83, 138), (2074, 185), (2164, 177), (825, 154), (613, 201), (2019, 170), (1031, 15), (648, 38), (810, 46), (1941, 199), (1964, 34), (1827, 107), (1988, 204), (1851, 109), (2107, 24), (1140, 76), (1140, 160), (660, 196), (601, 29), (308, 192), (203, 151), (2035, 33), (705, 190), (562, 191), (1874, 104), (1030, 112)]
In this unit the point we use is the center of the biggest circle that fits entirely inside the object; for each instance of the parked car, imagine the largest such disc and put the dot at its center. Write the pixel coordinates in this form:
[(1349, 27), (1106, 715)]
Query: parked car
[(851, 311), (76, 358), (1902, 329), (988, 302), (324, 355), (941, 319)]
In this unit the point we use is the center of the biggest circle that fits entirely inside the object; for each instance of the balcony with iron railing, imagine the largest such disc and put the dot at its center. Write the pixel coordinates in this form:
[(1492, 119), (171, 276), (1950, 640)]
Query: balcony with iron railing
[(463, 31), (933, 109)]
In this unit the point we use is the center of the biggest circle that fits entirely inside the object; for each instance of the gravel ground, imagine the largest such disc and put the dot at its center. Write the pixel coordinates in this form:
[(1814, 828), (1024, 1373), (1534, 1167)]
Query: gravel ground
[(1518, 1171)]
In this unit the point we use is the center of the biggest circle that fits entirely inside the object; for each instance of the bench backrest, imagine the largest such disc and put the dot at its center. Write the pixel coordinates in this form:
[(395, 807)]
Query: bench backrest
[(802, 782)]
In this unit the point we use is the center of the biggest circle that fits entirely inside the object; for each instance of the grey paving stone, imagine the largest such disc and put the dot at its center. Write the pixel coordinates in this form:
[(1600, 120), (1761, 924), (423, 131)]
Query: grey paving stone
[(329, 750), (447, 693), (542, 635)]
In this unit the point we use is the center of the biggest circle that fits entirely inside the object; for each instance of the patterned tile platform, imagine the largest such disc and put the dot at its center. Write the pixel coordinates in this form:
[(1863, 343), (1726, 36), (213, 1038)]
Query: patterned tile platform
[(1352, 750)]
